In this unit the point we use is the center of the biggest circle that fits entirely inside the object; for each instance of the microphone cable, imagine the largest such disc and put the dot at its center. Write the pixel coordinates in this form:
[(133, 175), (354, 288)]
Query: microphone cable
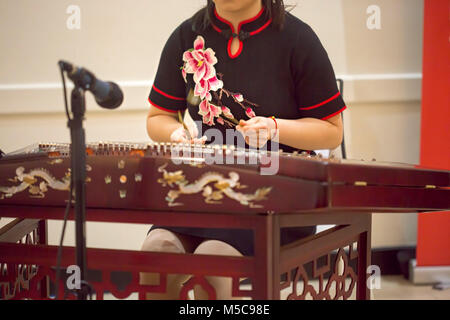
[(60, 247)]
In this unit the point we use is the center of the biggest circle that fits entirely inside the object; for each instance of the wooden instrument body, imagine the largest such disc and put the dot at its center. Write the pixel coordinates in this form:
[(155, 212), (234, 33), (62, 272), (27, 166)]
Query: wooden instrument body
[(149, 177), (142, 184)]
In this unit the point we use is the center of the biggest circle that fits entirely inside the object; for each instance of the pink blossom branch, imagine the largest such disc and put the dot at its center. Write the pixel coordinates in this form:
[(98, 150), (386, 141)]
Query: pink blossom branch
[(233, 95)]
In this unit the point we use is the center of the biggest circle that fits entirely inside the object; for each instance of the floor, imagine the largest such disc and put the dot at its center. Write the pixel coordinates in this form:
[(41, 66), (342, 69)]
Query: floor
[(399, 288), (391, 288)]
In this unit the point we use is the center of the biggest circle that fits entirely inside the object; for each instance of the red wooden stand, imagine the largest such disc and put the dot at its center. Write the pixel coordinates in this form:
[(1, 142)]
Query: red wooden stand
[(27, 260)]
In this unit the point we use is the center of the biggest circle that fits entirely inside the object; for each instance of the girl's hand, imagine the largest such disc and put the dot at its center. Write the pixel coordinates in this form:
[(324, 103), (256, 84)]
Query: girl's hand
[(257, 131), (179, 136)]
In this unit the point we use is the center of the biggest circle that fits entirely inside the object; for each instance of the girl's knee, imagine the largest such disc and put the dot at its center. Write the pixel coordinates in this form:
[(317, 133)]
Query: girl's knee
[(161, 240), (217, 247)]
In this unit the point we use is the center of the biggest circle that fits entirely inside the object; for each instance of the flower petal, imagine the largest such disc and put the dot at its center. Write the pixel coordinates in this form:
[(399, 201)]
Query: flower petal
[(199, 43), (203, 108), (187, 55), (227, 112), (250, 113), (208, 119), (198, 55), (215, 83), (184, 74), (215, 110), (239, 97), (191, 66), (210, 56), (201, 89), (200, 73), (210, 71)]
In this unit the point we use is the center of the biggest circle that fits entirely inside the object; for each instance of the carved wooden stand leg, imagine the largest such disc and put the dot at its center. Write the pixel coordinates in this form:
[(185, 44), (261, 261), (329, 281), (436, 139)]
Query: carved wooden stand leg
[(364, 258), (42, 239), (350, 238)]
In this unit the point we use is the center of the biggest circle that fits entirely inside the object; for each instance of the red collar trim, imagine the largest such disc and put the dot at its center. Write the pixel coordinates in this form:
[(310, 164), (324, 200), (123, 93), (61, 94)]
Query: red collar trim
[(258, 25), (240, 23), (262, 28)]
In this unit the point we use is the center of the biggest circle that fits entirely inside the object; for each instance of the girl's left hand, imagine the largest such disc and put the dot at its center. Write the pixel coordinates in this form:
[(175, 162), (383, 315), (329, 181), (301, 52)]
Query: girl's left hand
[(257, 131)]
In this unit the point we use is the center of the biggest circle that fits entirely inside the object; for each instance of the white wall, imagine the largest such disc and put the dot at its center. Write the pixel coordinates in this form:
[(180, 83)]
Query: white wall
[(122, 41)]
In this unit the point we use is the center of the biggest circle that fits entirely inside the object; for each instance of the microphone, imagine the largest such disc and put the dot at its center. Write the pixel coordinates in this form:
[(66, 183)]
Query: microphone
[(107, 94)]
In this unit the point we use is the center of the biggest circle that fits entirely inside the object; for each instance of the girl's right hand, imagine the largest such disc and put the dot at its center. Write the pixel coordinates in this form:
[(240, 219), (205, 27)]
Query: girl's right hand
[(179, 136)]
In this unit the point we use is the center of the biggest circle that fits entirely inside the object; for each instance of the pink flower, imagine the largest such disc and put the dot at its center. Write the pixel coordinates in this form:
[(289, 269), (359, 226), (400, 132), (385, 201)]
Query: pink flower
[(203, 86), (239, 97), (209, 112), (227, 112), (215, 83), (199, 61), (250, 113)]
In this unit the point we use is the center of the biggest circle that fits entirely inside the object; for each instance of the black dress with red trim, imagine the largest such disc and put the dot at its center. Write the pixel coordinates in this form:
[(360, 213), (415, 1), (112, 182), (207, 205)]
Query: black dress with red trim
[(283, 73)]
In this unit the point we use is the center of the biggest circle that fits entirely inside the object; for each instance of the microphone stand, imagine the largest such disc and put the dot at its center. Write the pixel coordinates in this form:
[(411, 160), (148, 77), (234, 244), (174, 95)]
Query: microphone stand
[(107, 95), (78, 172)]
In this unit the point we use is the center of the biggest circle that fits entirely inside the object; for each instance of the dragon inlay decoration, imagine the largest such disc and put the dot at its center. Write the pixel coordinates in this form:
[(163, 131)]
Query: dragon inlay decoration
[(213, 187), (37, 181)]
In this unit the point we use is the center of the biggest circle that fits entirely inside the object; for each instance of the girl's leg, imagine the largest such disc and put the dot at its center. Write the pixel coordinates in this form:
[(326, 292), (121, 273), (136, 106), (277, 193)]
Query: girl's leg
[(222, 285), (161, 240)]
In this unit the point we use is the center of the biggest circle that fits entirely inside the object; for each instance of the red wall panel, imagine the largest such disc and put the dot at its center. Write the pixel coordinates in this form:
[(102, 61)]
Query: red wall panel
[(433, 238)]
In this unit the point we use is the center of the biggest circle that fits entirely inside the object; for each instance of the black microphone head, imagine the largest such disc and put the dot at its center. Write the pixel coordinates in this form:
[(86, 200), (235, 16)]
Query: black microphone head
[(66, 66), (113, 99)]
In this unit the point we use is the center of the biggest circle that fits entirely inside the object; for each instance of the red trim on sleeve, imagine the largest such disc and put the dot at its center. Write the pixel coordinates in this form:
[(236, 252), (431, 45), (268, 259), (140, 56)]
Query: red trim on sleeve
[(168, 95), (322, 103), (162, 108), (333, 114)]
